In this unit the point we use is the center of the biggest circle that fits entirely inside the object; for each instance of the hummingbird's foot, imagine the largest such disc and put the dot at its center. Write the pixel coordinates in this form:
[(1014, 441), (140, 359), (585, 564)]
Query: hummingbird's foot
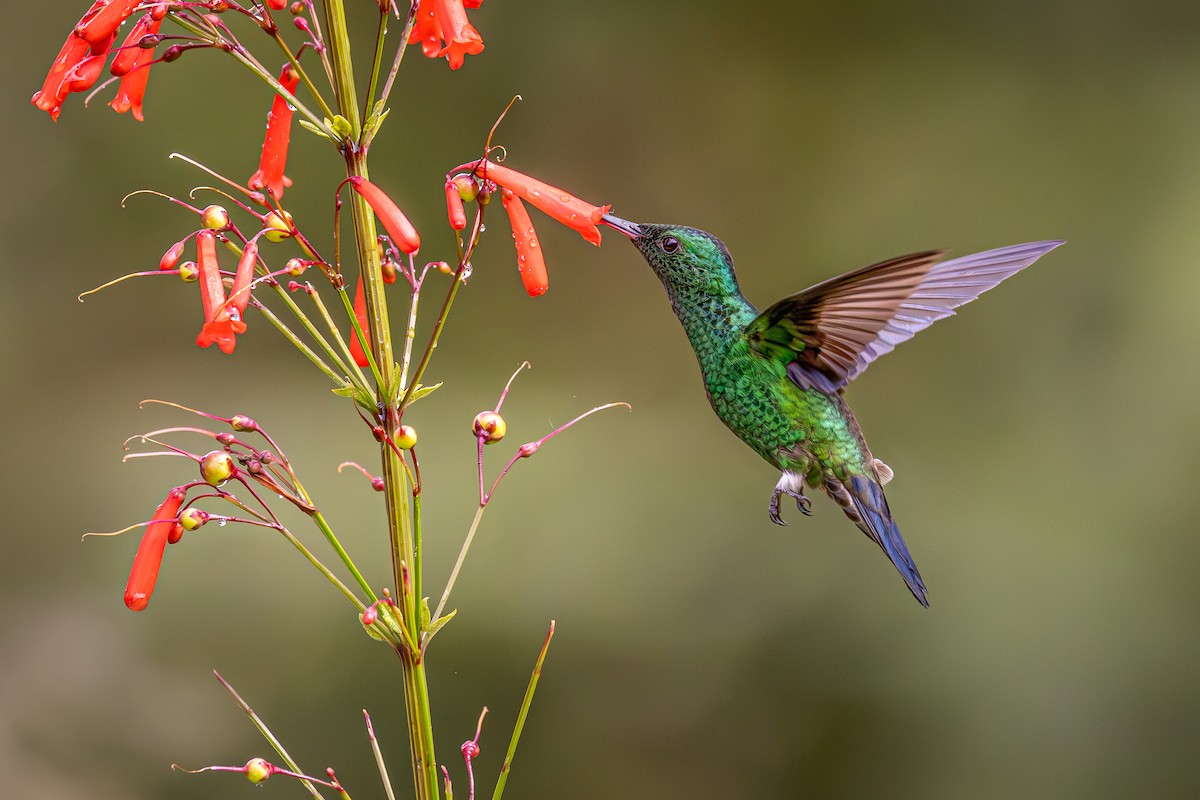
[(791, 485)]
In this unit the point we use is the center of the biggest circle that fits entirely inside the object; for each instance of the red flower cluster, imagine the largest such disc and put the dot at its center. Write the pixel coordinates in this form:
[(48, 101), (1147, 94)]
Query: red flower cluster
[(443, 30), (516, 187), (83, 55)]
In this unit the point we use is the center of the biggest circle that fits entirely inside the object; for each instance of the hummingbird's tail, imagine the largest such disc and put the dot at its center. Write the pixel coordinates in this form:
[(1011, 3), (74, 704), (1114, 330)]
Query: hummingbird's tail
[(863, 501)]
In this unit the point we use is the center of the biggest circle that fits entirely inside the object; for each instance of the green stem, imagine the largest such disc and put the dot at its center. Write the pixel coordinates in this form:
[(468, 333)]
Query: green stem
[(396, 485), (462, 556), (520, 726)]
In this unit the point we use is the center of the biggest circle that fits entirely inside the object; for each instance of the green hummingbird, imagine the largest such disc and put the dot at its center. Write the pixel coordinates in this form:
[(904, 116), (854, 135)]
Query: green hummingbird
[(775, 378)]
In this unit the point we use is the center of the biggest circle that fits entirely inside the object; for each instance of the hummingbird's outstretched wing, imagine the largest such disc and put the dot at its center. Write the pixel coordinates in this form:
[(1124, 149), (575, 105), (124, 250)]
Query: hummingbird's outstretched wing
[(831, 332)]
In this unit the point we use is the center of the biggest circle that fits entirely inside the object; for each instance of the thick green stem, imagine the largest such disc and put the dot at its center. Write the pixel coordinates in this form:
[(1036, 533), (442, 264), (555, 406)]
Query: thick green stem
[(397, 489)]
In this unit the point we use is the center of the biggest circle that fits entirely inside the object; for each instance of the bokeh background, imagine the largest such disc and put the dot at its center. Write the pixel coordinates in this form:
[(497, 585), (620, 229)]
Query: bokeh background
[(1044, 442)]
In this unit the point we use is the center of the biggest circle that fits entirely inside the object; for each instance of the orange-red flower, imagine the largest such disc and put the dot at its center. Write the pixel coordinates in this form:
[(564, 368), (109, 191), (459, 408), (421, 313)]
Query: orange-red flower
[(58, 81), (530, 262), (454, 207), (360, 313), (144, 573), (550, 200), (99, 25), (132, 64), (442, 28), (219, 325), (275, 143), (403, 234)]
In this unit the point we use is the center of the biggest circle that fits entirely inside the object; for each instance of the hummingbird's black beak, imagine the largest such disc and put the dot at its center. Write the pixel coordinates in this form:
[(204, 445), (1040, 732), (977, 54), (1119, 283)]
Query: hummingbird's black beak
[(630, 229)]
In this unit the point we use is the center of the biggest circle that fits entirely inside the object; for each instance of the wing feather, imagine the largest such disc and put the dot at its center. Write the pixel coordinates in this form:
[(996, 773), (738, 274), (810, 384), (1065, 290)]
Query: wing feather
[(833, 331)]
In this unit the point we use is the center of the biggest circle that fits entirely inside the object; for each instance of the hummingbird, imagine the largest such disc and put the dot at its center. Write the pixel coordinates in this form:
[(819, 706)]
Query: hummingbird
[(776, 377)]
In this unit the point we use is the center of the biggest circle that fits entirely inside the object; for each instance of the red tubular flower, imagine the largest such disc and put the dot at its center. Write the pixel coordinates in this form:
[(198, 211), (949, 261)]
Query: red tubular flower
[(427, 29), (54, 90), (360, 313), (144, 573), (219, 326), (442, 28), (454, 207), (130, 56), (550, 200), (133, 81), (530, 262), (403, 234), (275, 144), (102, 20), (460, 36), (239, 294)]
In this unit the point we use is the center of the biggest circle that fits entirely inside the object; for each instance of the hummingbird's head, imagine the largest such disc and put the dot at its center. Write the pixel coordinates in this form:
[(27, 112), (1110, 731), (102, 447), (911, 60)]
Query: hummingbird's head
[(687, 260)]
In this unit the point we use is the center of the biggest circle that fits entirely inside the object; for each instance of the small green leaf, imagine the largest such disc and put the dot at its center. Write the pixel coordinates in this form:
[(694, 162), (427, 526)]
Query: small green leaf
[(425, 614), (374, 634), (319, 131), (341, 126), (437, 626), (344, 391), (422, 391)]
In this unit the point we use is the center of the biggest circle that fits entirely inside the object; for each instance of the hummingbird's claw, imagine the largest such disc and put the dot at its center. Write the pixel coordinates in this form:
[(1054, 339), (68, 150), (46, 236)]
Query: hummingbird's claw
[(803, 503)]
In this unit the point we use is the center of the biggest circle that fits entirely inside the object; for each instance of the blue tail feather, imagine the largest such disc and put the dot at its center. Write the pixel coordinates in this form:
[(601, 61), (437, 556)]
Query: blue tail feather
[(876, 521)]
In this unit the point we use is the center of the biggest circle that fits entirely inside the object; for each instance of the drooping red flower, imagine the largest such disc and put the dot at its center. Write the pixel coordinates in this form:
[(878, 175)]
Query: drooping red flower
[(219, 326), (132, 64), (144, 573), (442, 28), (360, 313), (57, 84), (531, 264), (275, 143), (99, 25), (403, 234), (454, 207), (239, 293), (561, 206)]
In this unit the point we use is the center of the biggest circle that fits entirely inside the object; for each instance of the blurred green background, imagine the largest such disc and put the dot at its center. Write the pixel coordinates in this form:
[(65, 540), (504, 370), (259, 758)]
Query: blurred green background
[(1044, 442)]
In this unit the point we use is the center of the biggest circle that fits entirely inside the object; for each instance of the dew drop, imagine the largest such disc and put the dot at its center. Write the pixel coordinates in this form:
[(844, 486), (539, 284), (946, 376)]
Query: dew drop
[(221, 523)]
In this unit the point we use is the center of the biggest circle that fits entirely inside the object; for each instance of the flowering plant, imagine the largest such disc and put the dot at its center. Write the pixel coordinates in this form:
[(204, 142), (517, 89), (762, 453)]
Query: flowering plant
[(244, 475)]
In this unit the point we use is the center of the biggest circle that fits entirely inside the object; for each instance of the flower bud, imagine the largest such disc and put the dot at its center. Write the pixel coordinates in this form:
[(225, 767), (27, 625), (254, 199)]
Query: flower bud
[(258, 770), (528, 449), (369, 615), (171, 257), (188, 271), (468, 188), (489, 426), (176, 533), (240, 422), (214, 217), (377, 484), (444, 268), (277, 227), (403, 234), (454, 207), (406, 437), (295, 267), (470, 749), (193, 518), (390, 270), (217, 467)]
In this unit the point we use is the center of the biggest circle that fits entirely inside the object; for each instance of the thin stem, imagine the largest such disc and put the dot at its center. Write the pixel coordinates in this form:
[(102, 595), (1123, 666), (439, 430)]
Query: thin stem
[(462, 556), (377, 59), (525, 703), (301, 346), (383, 773), (270, 737)]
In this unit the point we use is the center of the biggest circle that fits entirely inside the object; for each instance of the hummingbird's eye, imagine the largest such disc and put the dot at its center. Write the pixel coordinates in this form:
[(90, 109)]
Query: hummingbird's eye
[(669, 244)]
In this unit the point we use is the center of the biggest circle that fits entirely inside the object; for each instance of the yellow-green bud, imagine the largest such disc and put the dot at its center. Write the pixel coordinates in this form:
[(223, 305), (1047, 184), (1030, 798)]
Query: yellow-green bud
[(406, 437), (188, 271), (214, 217), (468, 188), (295, 267), (277, 227), (217, 467), (258, 770), (193, 518), (489, 426)]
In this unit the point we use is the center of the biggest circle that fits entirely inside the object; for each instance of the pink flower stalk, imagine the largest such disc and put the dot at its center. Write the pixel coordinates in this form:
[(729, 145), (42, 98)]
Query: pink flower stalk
[(403, 234), (144, 573), (275, 143)]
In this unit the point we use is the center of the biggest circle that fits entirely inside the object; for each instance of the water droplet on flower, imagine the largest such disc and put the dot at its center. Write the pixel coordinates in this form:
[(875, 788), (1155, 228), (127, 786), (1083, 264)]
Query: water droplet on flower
[(566, 198), (221, 523)]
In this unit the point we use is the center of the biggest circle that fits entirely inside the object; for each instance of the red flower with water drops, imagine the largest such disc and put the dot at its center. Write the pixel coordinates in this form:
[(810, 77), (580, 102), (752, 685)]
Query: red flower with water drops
[(144, 573), (132, 64), (530, 262), (403, 234), (550, 200), (100, 23), (275, 143), (75, 53), (442, 28)]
